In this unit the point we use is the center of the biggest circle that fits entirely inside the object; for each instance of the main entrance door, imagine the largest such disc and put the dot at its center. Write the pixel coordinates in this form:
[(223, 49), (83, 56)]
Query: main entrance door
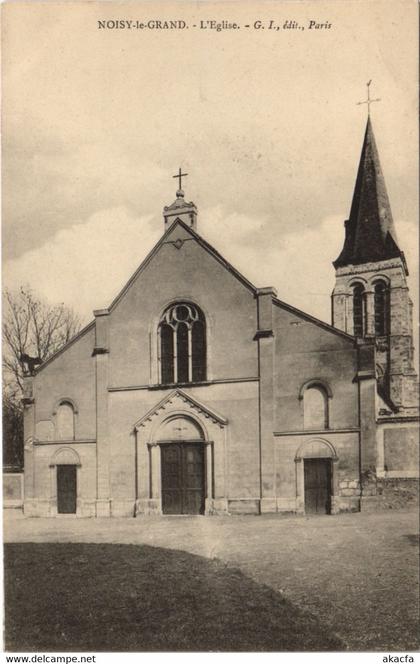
[(66, 489), (317, 486), (182, 478)]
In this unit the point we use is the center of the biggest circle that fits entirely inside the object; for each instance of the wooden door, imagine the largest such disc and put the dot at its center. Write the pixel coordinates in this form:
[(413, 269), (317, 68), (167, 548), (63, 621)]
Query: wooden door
[(317, 478), (182, 478), (193, 478), (171, 461), (66, 489)]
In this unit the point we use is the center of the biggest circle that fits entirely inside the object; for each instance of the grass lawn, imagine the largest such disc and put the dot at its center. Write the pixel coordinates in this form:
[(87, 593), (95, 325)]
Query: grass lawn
[(122, 597)]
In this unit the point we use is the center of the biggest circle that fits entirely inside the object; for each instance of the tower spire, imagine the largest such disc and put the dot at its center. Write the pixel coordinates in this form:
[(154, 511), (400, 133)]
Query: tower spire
[(370, 233), (370, 298)]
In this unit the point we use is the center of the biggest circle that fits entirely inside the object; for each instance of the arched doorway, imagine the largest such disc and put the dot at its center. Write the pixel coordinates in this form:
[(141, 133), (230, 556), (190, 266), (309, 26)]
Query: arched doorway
[(65, 465), (183, 470), (315, 476)]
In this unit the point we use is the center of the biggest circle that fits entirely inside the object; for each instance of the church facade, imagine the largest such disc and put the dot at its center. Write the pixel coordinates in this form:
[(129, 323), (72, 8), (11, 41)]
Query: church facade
[(195, 392)]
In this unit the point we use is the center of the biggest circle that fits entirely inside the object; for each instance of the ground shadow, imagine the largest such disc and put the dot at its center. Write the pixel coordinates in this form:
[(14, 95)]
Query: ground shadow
[(118, 597)]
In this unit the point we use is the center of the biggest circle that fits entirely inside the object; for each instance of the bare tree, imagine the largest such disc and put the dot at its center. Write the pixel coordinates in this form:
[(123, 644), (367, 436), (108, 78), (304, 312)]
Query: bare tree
[(12, 418), (31, 329)]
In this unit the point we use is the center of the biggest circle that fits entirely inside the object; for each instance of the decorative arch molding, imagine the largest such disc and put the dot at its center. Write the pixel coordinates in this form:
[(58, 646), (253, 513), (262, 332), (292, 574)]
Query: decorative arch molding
[(357, 281), (377, 278), (316, 448), (178, 403), (187, 298), (70, 428), (65, 456), (64, 400), (316, 382), (202, 425), (193, 428)]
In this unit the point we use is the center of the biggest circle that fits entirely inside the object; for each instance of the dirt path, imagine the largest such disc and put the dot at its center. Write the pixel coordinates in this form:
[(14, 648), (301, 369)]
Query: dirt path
[(357, 572)]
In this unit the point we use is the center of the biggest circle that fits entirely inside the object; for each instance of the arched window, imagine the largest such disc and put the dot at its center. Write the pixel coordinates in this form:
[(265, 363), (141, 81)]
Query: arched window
[(182, 332), (315, 408), (359, 310), (381, 308), (65, 421)]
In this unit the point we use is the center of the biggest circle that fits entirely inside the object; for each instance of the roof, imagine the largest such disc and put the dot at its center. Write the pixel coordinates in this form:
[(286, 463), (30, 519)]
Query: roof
[(69, 343), (370, 233), (313, 320), (211, 250), (140, 269)]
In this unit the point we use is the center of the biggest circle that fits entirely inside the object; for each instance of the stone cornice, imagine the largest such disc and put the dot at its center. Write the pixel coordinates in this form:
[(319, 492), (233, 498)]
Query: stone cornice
[(82, 441), (364, 375), (266, 290), (360, 268), (100, 350), (28, 401), (263, 334), (205, 383), (398, 419), (318, 432)]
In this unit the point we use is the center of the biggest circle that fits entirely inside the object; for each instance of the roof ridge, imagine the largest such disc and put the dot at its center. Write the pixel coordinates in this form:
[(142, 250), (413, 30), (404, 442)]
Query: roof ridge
[(313, 319), (68, 343), (206, 245)]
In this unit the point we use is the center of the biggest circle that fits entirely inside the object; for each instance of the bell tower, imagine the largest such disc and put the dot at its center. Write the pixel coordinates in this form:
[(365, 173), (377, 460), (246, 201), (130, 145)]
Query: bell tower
[(180, 208), (371, 297)]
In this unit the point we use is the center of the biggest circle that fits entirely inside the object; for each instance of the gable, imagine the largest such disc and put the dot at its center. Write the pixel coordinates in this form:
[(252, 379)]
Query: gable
[(182, 265), (177, 237), (69, 375), (179, 401), (183, 268)]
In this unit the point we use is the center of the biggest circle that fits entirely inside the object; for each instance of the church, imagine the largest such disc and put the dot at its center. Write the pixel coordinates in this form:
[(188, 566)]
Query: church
[(195, 392)]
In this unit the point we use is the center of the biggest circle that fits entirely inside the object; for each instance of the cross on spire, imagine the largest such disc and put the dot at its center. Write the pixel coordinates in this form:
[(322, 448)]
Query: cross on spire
[(180, 175), (368, 101)]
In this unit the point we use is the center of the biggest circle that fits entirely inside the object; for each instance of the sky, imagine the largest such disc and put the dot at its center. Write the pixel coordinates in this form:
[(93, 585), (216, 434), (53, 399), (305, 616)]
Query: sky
[(266, 124)]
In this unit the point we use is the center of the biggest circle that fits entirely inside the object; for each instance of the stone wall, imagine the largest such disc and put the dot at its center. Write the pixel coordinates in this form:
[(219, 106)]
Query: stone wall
[(12, 490), (401, 449), (397, 493)]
